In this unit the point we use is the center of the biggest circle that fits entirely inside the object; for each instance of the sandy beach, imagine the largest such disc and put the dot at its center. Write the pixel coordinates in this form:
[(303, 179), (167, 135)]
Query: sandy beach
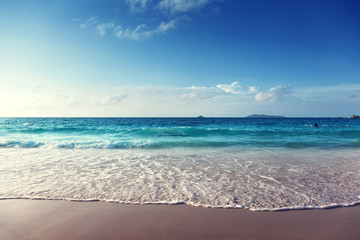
[(49, 219)]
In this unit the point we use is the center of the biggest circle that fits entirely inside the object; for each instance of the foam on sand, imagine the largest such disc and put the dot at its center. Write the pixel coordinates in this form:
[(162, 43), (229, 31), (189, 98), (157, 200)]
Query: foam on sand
[(254, 179)]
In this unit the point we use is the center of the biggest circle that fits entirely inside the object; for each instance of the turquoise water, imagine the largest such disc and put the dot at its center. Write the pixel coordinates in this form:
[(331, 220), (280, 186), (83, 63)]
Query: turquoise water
[(123, 133), (258, 164)]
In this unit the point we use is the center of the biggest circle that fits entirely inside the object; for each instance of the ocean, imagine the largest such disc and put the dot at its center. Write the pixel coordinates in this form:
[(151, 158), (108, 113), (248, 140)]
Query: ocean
[(257, 164)]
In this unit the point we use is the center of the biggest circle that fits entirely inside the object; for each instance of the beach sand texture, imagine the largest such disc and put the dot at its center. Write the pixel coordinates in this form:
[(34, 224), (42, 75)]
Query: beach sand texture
[(47, 219)]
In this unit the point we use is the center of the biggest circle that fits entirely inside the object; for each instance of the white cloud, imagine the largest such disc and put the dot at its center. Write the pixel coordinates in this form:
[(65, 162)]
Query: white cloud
[(252, 90), (233, 92), (140, 31), (165, 26), (89, 22), (181, 5), (173, 6), (190, 95), (200, 88), (198, 95), (273, 94), (113, 99), (40, 99), (157, 21), (234, 88), (137, 5), (118, 31), (67, 99), (128, 33), (102, 28)]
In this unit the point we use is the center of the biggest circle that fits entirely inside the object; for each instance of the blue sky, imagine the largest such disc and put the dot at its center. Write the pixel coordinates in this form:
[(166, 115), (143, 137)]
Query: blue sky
[(179, 58)]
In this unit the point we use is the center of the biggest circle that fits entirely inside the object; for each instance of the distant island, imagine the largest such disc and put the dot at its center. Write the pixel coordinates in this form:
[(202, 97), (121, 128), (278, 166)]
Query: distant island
[(264, 116), (352, 116)]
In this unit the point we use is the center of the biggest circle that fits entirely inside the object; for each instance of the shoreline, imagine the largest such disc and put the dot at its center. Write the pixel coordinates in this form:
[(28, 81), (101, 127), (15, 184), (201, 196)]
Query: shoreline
[(164, 203), (57, 219)]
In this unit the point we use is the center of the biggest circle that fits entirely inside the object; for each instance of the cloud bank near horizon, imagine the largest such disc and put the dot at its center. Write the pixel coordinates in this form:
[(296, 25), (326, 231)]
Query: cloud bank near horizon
[(220, 101)]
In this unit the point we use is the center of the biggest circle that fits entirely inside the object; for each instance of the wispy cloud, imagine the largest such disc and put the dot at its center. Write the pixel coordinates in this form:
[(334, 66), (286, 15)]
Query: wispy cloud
[(175, 6), (243, 93), (118, 31), (128, 33), (273, 94), (198, 95), (165, 26), (141, 31), (157, 18), (51, 100), (93, 23), (89, 22), (137, 5), (252, 90), (103, 27), (233, 88), (113, 99), (236, 88)]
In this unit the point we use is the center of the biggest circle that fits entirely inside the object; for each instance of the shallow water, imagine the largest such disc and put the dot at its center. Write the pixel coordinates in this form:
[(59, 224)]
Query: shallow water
[(159, 133), (257, 164)]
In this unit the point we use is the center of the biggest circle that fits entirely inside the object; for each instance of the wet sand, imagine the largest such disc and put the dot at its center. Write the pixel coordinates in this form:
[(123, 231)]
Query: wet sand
[(45, 219)]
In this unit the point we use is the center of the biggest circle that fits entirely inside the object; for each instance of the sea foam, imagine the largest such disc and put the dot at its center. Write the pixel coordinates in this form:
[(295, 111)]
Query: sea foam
[(256, 179)]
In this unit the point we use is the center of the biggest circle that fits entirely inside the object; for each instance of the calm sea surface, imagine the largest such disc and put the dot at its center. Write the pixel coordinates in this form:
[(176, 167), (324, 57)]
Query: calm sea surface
[(214, 162)]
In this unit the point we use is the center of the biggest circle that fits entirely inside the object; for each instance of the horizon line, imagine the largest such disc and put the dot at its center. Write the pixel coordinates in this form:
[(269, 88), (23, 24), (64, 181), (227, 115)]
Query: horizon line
[(199, 117)]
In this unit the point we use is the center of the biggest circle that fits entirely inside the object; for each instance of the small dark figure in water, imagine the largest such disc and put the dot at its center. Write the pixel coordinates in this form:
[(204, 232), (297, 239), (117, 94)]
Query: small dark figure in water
[(316, 125)]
